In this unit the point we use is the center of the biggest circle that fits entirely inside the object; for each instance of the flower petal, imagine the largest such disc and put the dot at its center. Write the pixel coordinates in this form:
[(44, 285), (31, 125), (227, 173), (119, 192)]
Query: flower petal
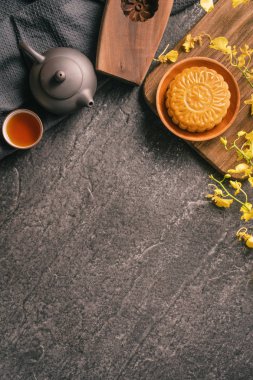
[(247, 212), (235, 3), (172, 55), (250, 102), (221, 44), (250, 179), (207, 5), (222, 202), (224, 141), (249, 242), (241, 60), (249, 136), (236, 185)]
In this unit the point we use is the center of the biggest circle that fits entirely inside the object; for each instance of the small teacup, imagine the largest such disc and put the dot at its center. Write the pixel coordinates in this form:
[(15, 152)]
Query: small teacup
[(22, 129)]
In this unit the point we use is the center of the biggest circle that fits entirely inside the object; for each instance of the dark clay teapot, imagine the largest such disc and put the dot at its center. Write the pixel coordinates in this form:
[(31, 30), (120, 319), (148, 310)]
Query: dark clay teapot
[(62, 79)]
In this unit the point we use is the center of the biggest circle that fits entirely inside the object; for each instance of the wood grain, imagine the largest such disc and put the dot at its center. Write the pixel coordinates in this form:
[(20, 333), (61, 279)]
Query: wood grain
[(237, 26), (125, 47)]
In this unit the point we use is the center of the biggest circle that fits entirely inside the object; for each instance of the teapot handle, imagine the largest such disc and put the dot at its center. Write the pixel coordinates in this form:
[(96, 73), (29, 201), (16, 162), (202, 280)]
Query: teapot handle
[(36, 57)]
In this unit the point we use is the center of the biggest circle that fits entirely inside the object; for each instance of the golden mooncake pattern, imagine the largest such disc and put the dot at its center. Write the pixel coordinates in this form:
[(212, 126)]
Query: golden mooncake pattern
[(198, 99)]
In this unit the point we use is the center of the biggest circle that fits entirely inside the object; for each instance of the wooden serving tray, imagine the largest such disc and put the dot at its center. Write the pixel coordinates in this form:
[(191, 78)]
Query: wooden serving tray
[(126, 47), (237, 26)]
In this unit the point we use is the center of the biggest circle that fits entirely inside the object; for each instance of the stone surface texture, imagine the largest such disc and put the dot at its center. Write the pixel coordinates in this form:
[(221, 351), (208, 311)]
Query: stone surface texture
[(113, 265)]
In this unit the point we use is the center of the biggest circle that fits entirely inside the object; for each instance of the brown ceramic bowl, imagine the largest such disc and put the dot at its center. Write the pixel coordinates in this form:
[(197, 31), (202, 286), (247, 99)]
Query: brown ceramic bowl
[(232, 110)]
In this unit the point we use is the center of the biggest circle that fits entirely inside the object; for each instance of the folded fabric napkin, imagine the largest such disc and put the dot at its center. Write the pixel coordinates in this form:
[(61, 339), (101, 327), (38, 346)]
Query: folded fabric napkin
[(44, 24)]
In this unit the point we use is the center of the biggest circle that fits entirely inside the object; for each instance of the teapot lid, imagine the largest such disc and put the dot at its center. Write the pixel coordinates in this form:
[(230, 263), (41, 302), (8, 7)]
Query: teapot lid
[(61, 77)]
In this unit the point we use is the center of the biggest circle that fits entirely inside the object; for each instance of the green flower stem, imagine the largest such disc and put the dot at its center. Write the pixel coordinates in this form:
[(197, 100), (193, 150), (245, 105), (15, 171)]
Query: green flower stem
[(166, 48), (241, 190), (245, 76), (246, 195), (227, 192), (242, 153), (157, 59), (249, 60)]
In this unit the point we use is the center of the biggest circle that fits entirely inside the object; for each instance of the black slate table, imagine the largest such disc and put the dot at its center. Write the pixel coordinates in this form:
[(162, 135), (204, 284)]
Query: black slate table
[(113, 264)]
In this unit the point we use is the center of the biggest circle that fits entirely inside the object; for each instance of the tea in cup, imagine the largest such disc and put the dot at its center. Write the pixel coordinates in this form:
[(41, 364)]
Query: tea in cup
[(22, 129)]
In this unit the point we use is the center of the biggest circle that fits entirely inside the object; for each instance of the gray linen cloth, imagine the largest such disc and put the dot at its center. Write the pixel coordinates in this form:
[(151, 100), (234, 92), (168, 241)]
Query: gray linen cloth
[(44, 24)]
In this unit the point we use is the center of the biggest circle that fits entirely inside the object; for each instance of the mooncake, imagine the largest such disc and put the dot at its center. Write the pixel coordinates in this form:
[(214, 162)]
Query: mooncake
[(197, 99)]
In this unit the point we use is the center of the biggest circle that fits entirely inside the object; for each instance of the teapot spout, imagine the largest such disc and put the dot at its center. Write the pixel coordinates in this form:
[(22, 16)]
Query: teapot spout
[(86, 99), (34, 55)]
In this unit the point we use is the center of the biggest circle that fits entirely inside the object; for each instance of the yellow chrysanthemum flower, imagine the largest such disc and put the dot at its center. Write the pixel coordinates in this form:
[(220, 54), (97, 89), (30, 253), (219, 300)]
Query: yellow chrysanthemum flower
[(189, 43), (246, 50), (236, 185), (218, 200), (247, 212), (171, 56), (222, 202), (243, 235)]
